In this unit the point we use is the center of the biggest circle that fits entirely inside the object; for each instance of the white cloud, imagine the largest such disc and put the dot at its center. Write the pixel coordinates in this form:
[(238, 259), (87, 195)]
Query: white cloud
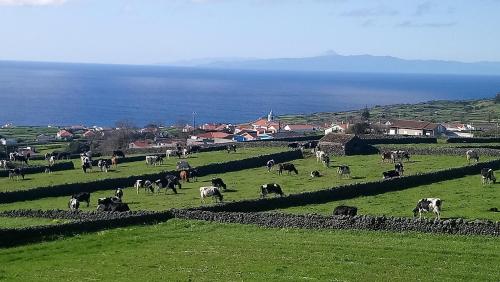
[(31, 2)]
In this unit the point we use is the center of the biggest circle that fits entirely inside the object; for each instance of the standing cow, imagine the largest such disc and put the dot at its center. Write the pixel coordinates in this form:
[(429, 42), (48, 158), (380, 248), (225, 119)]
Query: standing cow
[(472, 155), (270, 188), (210, 191), (488, 176), (428, 205)]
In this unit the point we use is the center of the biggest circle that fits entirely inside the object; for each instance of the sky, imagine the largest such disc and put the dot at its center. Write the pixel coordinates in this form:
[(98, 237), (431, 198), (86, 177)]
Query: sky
[(164, 31)]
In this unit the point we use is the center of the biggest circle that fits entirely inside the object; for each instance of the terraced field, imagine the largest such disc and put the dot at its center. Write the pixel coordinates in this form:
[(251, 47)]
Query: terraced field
[(9, 222), (245, 184)]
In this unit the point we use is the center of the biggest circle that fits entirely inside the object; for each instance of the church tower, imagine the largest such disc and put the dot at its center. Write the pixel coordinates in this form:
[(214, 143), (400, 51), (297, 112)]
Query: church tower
[(270, 116)]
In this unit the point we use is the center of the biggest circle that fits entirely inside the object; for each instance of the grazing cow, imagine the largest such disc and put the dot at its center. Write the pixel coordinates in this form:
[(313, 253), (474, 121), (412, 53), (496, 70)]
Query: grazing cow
[(386, 156), (315, 173), (62, 155), (118, 153), (399, 168), (193, 174), (488, 176), (184, 175), (210, 191), (428, 205), (345, 210), (472, 155), (326, 160), (174, 180), (82, 197), (147, 185), (344, 171), (119, 193), (230, 148), (319, 156), (399, 156), (293, 145), (104, 165), (18, 158), (86, 165), (183, 165), (390, 174), (16, 173), (47, 169), (166, 183), (150, 160), (217, 182), (73, 204), (271, 188), (52, 160), (289, 167), (270, 164)]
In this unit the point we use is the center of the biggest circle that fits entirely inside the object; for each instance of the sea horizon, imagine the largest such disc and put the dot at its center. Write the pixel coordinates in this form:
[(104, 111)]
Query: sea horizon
[(46, 93)]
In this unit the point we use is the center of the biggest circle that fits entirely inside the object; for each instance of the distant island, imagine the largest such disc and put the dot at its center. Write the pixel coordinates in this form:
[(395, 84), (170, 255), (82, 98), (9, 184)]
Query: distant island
[(351, 63)]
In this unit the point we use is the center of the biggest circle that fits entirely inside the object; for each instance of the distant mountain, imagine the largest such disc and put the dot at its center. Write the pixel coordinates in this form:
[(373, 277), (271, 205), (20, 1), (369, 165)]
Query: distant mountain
[(354, 63)]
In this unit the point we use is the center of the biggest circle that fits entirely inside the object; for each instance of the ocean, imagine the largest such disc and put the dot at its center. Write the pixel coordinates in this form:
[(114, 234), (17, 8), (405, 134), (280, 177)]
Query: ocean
[(88, 94)]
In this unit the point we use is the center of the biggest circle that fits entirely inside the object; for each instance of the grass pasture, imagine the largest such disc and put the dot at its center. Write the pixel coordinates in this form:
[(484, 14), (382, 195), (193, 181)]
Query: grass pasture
[(14, 222), (126, 169), (245, 184), (180, 250), (464, 197)]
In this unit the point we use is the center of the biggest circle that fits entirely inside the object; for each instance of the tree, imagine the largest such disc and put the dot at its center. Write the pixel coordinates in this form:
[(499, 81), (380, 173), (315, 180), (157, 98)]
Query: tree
[(358, 128), (365, 115)]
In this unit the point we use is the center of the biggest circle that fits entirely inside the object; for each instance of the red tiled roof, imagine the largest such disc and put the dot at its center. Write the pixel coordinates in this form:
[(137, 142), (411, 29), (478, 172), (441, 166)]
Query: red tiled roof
[(64, 133), (213, 135)]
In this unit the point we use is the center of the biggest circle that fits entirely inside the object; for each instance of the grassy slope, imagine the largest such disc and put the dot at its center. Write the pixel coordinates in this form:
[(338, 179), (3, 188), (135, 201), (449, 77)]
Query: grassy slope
[(464, 197), (125, 169), (244, 184), (181, 250), (438, 111)]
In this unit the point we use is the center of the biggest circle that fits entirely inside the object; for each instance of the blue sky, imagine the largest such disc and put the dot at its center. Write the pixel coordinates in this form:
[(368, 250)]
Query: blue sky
[(155, 31)]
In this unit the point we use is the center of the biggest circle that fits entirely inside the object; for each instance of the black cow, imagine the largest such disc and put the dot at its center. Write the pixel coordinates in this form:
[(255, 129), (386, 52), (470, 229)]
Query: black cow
[(390, 174), (310, 145), (230, 148), (16, 172), (167, 183), (62, 155), (108, 200), (118, 153), (193, 174), (82, 197), (345, 210), (194, 149), (174, 180), (293, 145), (488, 176), (270, 188), (399, 168), (217, 182), (289, 167), (114, 207)]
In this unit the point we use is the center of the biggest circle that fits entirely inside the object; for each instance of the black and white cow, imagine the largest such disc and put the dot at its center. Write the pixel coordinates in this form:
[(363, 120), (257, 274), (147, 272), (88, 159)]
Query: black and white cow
[(326, 160), (18, 158), (386, 156), (390, 174), (104, 165), (86, 165), (289, 167), (73, 204), (428, 205), (399, 155), (270, 164), (112, 204), (167, 184), (488, 176), (119, 193), (147, 185), (217, 182), (230, 148), (270, 188), (315, 173), (4, 164), (210, 191), (108, 200), (82, 197), (16, 173), (472, 155), (345, 210), (399, 167), (344, 171)]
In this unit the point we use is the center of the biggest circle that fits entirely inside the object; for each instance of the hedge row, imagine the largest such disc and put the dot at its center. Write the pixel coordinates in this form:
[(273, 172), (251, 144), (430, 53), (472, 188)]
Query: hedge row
[(363, 222), (113, 183), (349, 191), (473, 140), (458, 151), (397, 139), (39, 169)]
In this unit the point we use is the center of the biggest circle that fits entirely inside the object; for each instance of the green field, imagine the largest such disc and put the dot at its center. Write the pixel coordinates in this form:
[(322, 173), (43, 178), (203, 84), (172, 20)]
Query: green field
[(12, 222), (245, 184), (126, 169), (180, 250), (463, 197)]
